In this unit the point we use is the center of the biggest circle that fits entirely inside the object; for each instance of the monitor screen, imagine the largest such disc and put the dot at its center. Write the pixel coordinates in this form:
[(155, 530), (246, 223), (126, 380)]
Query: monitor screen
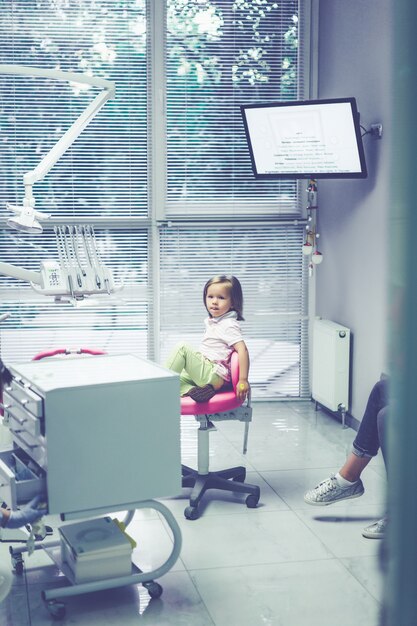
[(305, 139)]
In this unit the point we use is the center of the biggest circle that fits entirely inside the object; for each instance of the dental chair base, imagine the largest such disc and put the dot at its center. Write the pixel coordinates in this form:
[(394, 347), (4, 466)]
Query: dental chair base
[(231, 479), (225, 405)]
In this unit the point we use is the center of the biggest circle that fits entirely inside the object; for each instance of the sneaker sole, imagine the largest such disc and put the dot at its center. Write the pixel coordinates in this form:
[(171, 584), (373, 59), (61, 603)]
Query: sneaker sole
[(372, 535), (356, 495)]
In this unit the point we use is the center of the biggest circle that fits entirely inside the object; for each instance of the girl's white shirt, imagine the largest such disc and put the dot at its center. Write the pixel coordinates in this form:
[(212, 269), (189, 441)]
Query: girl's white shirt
[(221, 333)]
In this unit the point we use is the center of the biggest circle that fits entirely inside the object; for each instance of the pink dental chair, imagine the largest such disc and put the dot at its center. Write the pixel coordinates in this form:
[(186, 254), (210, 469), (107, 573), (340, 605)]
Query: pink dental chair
[(225, 405)]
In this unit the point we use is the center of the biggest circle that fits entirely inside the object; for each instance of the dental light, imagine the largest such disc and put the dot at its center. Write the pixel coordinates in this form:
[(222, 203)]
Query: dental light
[(79, 271), (25, 217)]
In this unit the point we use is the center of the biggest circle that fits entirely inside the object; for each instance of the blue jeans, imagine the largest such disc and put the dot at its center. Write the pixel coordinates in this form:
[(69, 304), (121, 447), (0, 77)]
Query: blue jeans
[(371, 434)]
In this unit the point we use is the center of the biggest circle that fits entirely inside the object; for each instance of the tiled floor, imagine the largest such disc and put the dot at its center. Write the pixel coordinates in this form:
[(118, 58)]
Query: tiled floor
[(284, 563)]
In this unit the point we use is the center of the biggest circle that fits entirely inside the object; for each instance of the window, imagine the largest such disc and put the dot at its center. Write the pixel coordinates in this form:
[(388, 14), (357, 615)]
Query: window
[(101, 179), (268, 263), (162, 172), (104, 173), (220, 54)]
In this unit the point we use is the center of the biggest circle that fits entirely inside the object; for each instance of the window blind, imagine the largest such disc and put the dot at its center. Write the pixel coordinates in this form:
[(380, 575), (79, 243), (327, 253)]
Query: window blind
[(117, 324), (101, 179), (218, 54), (104, 173), (270, 267), (221, 54)]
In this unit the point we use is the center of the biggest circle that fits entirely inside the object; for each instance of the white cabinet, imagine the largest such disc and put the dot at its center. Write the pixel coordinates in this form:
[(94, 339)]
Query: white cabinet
[(102, 433)]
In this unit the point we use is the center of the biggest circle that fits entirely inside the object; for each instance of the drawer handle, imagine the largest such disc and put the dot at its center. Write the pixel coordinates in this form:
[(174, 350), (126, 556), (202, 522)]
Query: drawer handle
[(22, 421), (16, 432), (24, 402)]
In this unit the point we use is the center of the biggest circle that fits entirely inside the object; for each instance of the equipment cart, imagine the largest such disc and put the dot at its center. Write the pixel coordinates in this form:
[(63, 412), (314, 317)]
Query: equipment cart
[(92, 436)]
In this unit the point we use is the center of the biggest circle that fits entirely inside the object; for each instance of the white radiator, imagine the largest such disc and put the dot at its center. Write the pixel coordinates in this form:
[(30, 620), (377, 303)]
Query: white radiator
[(330, 385)]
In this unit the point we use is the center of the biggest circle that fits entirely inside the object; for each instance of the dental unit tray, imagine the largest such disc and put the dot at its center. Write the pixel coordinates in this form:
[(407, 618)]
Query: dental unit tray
[(79, 271)]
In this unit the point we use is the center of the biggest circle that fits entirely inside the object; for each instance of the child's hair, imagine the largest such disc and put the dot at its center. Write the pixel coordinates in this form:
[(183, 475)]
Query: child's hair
[(235, 290)]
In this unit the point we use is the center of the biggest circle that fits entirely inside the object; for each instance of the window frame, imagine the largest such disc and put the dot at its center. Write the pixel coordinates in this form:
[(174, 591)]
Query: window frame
[(157, 218)]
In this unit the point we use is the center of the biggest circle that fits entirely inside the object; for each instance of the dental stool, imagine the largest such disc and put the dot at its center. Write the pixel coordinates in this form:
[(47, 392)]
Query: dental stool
[(225, 405)]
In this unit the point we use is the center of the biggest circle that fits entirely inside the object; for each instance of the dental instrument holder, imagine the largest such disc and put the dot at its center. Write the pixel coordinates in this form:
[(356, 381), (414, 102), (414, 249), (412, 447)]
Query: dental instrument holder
[(79, 271)]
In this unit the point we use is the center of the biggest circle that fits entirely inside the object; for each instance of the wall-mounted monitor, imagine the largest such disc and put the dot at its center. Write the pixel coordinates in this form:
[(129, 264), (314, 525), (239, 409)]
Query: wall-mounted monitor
[(305, 139)]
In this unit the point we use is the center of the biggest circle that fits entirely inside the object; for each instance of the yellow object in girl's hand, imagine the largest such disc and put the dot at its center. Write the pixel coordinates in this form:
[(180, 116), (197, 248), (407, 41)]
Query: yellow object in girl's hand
[(241, 386)]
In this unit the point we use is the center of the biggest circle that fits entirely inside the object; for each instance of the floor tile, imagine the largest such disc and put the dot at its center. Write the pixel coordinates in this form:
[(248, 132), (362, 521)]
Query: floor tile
[(340, 530), (276, 565), (367, 570), (286, 594), (179, 605), (257, 537)]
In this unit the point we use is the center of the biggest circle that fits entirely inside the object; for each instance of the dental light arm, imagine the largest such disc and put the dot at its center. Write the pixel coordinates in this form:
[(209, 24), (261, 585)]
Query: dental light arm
[(26, 217), (20, 273)]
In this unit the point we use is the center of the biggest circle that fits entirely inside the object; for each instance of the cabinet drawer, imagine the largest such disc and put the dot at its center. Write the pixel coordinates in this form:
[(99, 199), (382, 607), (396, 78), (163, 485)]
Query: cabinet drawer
[(35, 448), (27, 398), (18, 417), (20, 478)]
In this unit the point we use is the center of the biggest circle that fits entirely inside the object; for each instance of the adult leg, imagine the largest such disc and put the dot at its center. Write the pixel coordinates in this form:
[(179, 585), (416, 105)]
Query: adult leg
[(354, 466), (346, 483), (367, 441), (381, 423), (377, 529)]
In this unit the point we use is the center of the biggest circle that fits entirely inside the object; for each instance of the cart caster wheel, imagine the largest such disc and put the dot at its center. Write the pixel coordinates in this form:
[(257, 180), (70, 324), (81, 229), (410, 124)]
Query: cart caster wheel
[(191, 512), (18, 566), (56, 609), (154, 589), (252, 500)]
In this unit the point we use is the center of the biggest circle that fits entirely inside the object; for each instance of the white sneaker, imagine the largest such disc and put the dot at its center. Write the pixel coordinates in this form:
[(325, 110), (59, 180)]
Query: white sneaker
[(330, 491), (375, 530)]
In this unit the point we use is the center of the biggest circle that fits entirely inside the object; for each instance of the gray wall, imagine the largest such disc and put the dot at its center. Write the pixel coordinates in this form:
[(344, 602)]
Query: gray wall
[(354, 60)]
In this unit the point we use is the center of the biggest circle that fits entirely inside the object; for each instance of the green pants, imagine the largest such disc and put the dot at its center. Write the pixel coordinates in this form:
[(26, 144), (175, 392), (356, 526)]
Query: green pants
[(194, 369)]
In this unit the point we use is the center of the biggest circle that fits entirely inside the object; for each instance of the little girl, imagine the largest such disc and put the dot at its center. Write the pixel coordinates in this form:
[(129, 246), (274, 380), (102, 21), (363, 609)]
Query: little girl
[(203, 373)]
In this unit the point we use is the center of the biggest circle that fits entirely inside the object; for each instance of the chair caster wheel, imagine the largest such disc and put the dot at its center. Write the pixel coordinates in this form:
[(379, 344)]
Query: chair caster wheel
[(191, 512), (56, 609), (154, 589), (18, 565), (252, 501)]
